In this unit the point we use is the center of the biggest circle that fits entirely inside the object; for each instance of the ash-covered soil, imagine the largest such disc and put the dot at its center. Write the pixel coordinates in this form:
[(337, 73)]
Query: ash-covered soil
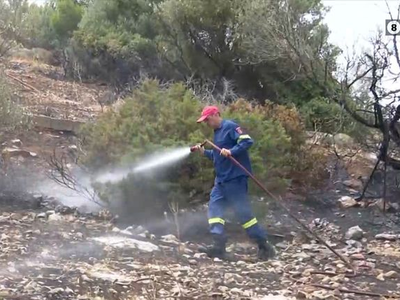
[(49, 252)]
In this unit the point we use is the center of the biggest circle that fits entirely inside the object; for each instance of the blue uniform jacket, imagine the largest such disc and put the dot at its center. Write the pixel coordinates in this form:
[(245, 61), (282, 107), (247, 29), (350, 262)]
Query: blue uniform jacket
[(230, 136)]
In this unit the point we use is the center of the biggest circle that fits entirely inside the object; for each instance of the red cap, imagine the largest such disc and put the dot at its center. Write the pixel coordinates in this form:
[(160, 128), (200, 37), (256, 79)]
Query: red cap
[(208, 111)]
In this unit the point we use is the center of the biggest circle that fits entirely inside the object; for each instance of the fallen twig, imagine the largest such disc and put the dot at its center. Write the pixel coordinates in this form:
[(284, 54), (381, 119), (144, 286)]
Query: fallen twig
[(61, 175), (142, 279), (17, 297), (277, 235), (356, 292), (349, 275), (23, 83)]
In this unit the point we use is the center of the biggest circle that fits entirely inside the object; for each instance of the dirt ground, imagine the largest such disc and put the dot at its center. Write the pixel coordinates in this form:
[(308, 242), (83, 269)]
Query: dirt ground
[(52, 252)]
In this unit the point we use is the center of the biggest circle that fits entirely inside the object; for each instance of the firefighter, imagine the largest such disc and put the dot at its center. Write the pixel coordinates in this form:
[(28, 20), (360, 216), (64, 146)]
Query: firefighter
[(231, 184)]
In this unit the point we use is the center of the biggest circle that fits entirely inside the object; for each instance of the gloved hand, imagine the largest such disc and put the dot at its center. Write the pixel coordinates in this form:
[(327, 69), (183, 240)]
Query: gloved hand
[(199, 148), (225, 152)]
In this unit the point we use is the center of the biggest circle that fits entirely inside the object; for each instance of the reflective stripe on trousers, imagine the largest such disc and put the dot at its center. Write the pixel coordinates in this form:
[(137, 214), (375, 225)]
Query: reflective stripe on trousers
[(233, 194)]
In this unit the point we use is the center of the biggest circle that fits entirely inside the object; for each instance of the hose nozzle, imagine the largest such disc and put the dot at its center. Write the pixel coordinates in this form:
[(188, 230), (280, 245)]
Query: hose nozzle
[(193, 149), (196, 147)]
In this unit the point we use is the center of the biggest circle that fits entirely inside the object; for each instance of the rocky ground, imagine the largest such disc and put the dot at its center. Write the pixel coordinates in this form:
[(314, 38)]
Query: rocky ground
[(48, 251)]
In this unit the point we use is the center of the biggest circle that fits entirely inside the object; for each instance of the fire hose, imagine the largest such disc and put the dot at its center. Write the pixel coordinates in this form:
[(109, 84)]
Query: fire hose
[(278, 200)]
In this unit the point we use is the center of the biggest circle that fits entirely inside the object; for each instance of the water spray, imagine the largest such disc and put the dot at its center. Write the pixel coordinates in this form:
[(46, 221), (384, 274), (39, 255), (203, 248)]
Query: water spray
[(148, 165)]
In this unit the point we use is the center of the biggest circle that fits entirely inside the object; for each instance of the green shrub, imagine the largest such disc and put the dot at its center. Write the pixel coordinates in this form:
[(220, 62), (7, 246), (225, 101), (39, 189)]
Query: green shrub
[(278, 135), (11, 114), (157, 117), (66, 17), (322, 115)]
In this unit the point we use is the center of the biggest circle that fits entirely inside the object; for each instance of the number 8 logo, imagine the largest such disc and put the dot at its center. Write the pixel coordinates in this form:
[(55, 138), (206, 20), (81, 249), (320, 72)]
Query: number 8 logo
[(393, 27)]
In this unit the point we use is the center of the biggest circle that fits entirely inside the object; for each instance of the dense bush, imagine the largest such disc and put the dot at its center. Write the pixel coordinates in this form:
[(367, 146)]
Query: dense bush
[(322, 115), (66, 17), (159, 117), (153, 118)]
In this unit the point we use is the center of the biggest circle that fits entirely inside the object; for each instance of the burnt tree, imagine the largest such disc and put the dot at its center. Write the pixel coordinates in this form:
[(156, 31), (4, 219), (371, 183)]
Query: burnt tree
[(370, 70)]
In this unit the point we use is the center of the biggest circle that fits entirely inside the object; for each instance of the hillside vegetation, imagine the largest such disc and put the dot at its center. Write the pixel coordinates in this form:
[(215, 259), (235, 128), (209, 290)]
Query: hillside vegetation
[(268, 64)]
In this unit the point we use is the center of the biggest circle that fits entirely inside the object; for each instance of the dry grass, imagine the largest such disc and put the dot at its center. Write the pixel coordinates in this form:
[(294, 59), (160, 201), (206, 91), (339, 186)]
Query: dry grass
[(67, 99), (35, 55)]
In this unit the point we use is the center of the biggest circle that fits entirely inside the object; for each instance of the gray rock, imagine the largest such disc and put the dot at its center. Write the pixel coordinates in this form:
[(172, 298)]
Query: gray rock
[(320, 223), (216, 259), (282, 245), (228, 276), (223, 289), (387, 237), (237, 291), (395, 206), (65, 210), (125, 242), (86, 278), (127, 231), (17, 142), (354, 244), (116, 230), (241, 263), (200, 255), (238, 278), (343, 140), (56, 291), (139, 230), (55, 218), (346, 202), (4, 219), (354, 233), (353, 183), (302, 256), (170, 239), (129, 228), (41, 216), (37, 197)]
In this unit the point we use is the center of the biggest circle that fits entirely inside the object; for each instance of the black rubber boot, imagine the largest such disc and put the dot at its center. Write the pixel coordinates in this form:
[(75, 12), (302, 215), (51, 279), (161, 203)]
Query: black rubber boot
[(217, 249), (265, 250)]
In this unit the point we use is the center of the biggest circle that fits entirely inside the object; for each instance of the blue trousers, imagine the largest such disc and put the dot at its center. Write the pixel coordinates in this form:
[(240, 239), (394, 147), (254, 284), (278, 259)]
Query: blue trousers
[(233, 194)]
